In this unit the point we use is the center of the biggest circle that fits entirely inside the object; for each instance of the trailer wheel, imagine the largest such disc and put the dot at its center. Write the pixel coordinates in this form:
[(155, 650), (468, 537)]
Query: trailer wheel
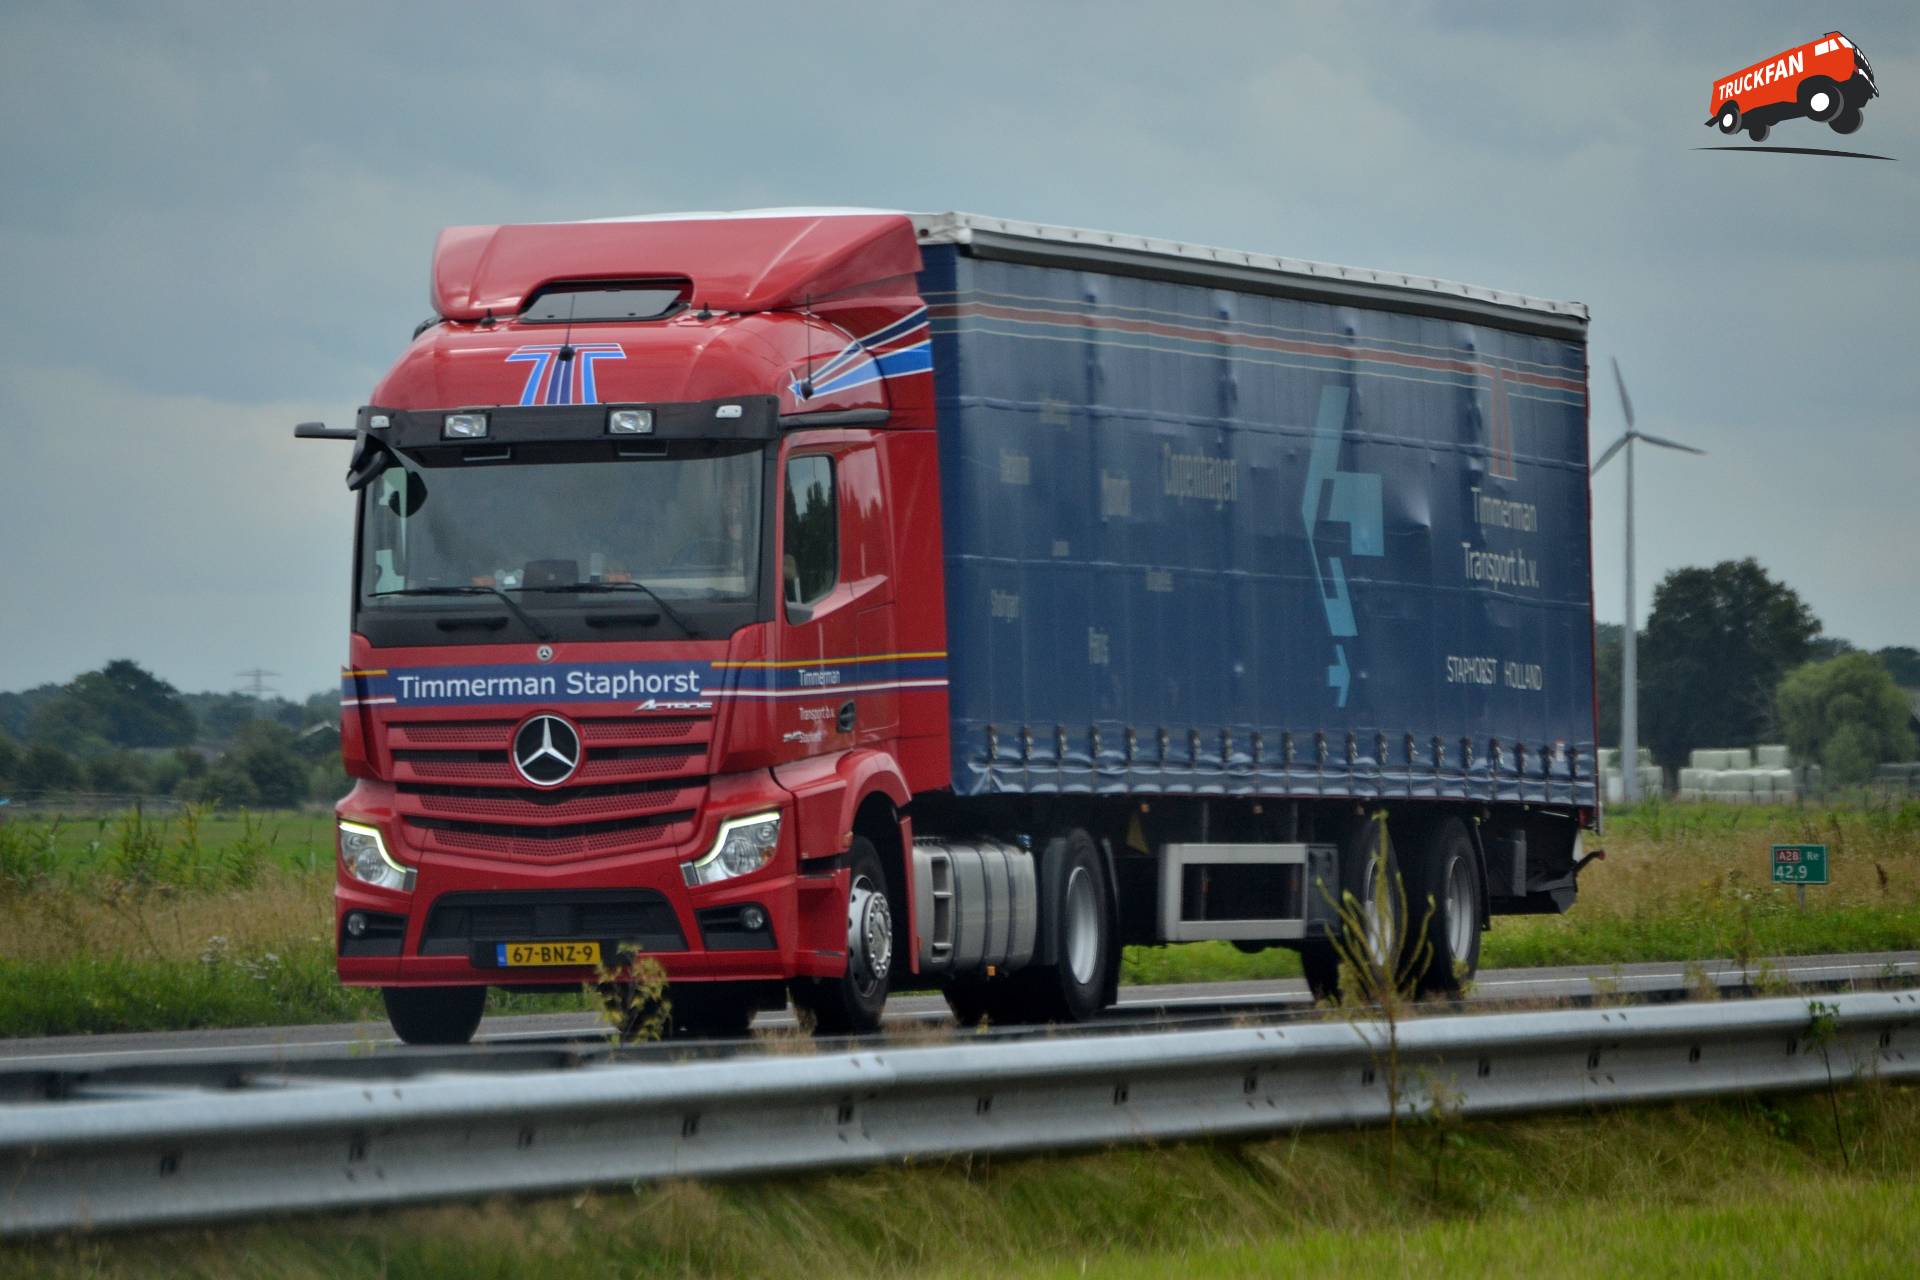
[(1730, 118), (1846, 121), (1381, 926), (1073, 989), (434, 1015), (1447, 872), (852, 1003), (1321, 964), (1820, 98), (1758, 131)]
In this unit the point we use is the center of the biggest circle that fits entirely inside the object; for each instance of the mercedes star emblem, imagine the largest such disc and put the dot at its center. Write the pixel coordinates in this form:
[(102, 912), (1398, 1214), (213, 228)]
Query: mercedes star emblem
[(546, 750)]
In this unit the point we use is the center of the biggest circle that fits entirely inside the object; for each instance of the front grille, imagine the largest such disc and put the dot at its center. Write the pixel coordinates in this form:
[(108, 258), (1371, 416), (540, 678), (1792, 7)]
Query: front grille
[(460, 922), (639, 785)]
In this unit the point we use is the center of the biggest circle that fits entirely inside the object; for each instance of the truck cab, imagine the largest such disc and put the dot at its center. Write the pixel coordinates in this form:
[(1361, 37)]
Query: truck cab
[(637, 642)]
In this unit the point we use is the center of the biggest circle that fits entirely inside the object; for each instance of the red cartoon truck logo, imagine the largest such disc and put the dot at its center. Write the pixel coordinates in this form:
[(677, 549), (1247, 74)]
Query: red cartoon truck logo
[(1826, 80)]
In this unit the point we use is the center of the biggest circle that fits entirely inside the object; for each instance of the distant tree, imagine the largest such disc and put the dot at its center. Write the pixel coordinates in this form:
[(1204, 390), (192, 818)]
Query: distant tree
[(121, 704), (45, 768), (265, 752), (121, 773), (1903, 664), (9, 760), (16, 709), (1718, 643), (1846, 713), (1827, 648), (225, 786), (1607, 639), (192, 763)]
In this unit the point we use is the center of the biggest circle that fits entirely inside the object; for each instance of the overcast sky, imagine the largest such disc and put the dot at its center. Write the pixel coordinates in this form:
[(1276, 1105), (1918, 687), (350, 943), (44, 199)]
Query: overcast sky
[(216, 221)]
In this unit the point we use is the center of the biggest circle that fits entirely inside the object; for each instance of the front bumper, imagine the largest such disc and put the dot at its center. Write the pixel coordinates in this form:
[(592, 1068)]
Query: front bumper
[(450, 928)]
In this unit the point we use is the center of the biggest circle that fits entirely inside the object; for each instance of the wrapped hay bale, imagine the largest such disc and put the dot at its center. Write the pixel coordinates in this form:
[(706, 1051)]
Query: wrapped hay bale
[(1772, 757), (1738, 758)]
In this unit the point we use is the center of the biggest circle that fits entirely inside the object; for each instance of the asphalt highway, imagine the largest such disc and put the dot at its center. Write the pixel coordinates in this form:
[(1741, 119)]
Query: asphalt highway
[(521, 1035)]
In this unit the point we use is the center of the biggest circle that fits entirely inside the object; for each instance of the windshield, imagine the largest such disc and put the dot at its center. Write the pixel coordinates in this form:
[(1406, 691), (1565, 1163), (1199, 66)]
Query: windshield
[(659, 547)]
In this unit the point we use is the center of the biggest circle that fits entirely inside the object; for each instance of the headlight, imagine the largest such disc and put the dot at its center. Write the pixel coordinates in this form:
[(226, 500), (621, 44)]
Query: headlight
[(743, 845), (364, 854)]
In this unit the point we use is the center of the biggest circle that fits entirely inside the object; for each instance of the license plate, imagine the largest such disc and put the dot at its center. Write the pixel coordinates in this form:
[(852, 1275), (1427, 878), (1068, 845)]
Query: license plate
[(516, 954)]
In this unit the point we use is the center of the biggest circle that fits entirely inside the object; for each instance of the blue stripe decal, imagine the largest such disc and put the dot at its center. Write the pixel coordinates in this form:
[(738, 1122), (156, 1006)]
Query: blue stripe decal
[(671, 685)]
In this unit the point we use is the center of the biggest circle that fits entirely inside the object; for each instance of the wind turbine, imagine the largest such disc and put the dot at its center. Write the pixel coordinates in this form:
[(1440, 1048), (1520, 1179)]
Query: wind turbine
[(1629, 640)]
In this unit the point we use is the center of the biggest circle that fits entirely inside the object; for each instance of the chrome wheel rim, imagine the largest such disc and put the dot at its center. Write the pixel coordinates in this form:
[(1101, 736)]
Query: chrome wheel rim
[(1082, 926), (869, 937), (1377, 918)]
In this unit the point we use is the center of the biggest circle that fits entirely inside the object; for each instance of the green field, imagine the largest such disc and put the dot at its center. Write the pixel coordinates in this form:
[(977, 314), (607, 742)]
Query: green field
[(194, 921), (1761, 1186)]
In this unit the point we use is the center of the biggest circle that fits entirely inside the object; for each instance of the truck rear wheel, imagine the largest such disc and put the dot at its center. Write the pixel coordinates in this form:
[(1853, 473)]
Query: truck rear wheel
[(1447, 871), (1846, 121), (1073, 988), (434, 1015), (1758, 131), (851, 1004)]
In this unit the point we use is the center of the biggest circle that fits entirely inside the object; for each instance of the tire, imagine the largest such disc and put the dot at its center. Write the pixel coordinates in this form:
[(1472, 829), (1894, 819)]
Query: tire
[(1846, 121), (1821, 99), (999, 1002), (1729, 120), (434, 1015), (1757, 131), (1447, 870), (1359, 857), (851, 1004), (1322, 966), (1074, 988), (708, 1011)]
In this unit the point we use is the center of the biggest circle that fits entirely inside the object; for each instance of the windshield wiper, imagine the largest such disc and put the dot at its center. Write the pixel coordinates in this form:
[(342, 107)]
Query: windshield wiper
[(587, 588), (539, 631)]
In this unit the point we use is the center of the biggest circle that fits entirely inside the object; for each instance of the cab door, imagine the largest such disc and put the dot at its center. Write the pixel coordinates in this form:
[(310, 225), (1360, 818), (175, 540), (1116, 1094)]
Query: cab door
[(834, 593)]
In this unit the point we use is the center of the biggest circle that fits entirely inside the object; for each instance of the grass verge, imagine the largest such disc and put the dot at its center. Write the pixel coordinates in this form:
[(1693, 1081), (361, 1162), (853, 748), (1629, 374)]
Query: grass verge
[(1724, 1188), (129, 924)]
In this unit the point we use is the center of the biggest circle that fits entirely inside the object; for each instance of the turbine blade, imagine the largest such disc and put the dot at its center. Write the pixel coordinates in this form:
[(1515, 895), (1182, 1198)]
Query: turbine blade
[(1626, 404), (1612, 449), (1665, 443)]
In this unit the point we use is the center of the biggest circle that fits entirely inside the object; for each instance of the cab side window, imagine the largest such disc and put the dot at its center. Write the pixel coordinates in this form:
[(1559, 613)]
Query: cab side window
[(811, 562)]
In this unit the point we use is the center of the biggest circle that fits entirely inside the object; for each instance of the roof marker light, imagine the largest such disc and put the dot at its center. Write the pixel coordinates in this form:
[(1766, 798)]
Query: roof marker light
[(630, 422), (464, 426), (378, 422)]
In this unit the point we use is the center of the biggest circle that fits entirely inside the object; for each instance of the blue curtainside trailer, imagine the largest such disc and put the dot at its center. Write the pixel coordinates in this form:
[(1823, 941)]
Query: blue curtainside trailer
[(1257, 528)]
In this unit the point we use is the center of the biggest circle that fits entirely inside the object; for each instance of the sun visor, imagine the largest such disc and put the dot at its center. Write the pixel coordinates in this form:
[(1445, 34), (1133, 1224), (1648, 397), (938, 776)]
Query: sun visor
[(736, 263)]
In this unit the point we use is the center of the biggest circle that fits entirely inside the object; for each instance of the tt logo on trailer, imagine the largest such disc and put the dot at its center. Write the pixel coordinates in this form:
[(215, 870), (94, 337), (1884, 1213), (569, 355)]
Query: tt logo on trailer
[(546, 750), (1351, 498)]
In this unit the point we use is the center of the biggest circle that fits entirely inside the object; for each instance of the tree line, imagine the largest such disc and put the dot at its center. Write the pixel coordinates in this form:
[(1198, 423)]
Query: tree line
[(123, 731), (1731, 656)]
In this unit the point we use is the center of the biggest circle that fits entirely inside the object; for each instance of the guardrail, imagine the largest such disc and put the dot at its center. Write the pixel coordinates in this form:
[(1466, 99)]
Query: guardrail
[(121, 1161)]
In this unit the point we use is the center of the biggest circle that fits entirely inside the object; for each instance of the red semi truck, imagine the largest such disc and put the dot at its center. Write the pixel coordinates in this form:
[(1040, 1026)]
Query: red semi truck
[(826, 602)]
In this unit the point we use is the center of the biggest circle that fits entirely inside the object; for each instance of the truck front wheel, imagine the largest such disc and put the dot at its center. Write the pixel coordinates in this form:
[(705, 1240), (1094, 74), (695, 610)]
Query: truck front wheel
[(1730, 118), (434, 1015), (851, 1004), (1447, 873)]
